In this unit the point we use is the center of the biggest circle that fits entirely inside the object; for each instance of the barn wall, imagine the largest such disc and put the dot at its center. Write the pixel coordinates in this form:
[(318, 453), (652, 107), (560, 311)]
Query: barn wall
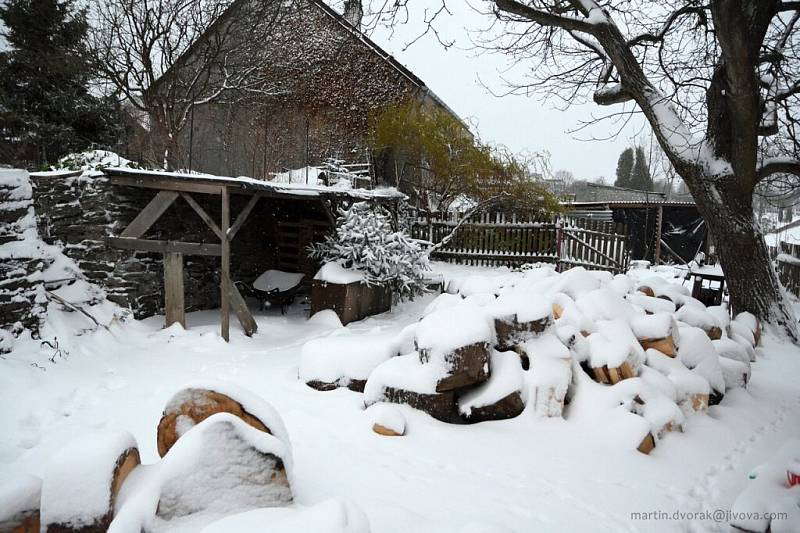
[(326, 86)]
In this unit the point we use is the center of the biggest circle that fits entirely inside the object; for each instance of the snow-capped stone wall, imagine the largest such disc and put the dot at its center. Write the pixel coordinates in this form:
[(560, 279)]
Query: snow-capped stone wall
[(78, 213), (22, 257)]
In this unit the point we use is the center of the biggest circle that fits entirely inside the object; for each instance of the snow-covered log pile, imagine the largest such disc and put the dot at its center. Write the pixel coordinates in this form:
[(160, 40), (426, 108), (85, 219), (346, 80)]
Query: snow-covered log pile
[(496, 345), (343, 361), (22, 258), (227, 452)]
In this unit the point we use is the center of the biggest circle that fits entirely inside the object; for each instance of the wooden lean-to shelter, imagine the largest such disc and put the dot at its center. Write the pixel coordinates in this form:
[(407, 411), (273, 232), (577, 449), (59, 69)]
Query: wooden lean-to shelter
[(227, 212)]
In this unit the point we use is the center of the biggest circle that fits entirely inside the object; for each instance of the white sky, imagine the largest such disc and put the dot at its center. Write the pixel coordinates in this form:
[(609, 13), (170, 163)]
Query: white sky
[(519, 122)]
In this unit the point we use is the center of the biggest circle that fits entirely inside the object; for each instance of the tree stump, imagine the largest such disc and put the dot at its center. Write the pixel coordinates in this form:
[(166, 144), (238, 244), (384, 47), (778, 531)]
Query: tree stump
[(198, 405), (441, 406), (646, 290), (223, 464), (20, 505), (508, 407), (90, 519), (467, 365)]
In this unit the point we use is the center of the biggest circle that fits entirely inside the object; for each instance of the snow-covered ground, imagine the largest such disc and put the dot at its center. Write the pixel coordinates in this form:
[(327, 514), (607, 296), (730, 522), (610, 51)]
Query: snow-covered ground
[(520, 475)]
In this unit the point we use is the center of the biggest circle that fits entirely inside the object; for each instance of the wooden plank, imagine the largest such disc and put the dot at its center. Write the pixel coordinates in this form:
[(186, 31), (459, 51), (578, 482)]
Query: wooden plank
[(242, 311), (242, 218), (202, 212), (149, 245), (659, 222), (225, 276), (165, 184), (150, 214), (173, 289), (589, 248)]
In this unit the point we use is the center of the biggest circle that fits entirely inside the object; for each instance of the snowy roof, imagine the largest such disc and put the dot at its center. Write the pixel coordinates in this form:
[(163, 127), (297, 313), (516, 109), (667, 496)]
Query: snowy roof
[(632, 203), (160, 180), (355, 32)]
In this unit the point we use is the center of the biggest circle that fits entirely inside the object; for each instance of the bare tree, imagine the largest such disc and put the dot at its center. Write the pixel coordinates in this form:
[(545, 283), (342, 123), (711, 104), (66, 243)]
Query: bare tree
[(166, 57), (718, 81)]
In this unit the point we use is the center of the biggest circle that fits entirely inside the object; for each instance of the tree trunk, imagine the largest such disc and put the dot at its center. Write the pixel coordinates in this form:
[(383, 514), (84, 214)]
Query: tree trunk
[(752, 281)]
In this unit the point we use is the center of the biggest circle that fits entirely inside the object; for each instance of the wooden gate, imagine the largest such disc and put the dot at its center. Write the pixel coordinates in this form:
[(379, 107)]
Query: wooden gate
[(498, 239)]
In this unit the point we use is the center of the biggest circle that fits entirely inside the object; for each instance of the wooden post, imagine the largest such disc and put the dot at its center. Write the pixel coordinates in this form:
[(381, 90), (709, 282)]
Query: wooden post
[(659, 220), (173, 289), (225, 298)]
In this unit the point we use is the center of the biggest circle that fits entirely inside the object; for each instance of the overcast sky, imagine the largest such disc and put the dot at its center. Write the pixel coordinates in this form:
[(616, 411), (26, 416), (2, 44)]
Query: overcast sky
[(519, 122)]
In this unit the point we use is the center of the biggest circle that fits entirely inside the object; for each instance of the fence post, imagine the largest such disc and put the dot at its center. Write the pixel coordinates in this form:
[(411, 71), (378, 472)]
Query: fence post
[(559, 242)]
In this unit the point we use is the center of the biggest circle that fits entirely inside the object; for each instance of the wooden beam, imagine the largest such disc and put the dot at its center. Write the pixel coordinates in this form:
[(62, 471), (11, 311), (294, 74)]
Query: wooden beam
[(202, 212), (659, 224), (164, 184), (173, 289), (242, 218), (150, 214), (242, 311), (225, 276), (148, 245), (327, 206)]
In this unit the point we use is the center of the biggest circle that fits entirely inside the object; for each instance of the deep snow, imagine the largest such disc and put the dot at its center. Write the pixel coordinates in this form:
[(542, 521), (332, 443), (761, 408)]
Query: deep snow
[(525, 474)]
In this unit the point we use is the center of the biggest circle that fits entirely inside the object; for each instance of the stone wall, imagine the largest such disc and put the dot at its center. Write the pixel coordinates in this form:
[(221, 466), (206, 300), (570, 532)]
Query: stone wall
[(78, 213), (22, 256)]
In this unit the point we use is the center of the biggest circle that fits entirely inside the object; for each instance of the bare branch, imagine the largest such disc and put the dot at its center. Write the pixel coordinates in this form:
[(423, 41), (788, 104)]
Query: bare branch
[(778, 165), (543, 17)]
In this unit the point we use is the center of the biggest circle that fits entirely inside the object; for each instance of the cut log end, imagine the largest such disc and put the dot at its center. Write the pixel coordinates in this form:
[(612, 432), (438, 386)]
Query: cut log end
[(647, 445), (210, 403), (665, 345), (125, 464), (646, 290), (386, 432)]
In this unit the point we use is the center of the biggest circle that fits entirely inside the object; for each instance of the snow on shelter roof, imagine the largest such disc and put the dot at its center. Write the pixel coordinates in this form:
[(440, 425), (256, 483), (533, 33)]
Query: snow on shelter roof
[(157, 179)]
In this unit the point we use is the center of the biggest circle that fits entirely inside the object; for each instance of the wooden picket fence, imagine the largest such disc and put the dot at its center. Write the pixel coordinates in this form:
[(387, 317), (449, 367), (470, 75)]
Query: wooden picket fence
[(500, 239), (788, 265)]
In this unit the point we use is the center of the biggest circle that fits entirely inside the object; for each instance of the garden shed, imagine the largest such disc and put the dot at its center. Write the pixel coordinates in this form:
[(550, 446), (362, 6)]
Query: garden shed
[(658, 230), (223, 230)]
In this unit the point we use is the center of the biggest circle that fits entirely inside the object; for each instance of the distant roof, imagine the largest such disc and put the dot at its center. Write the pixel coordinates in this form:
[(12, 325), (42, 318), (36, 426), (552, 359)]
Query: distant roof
[(615, 188), (611, 204), (595, 192)]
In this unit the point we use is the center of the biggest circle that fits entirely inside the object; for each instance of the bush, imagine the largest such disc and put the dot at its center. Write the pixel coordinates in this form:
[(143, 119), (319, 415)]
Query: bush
[(366, 241)]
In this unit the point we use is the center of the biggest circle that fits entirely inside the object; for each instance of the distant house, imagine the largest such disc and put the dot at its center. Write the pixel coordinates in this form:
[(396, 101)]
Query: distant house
[(332, 80)]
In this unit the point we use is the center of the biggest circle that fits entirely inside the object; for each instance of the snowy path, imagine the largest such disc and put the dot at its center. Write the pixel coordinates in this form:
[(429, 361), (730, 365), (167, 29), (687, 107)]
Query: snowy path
[(524, 474)]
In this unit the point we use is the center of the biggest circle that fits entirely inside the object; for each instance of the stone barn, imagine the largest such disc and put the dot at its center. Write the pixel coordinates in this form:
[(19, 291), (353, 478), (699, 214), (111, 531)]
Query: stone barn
[(327, 80)]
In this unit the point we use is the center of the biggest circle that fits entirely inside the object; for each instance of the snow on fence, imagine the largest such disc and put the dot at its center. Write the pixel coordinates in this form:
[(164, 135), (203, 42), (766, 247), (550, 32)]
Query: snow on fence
[(788, 263), (498, 239)]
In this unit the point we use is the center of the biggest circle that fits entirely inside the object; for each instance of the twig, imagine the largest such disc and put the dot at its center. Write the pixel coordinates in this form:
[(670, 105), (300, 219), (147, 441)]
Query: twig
[(480, 206), (74, 307)]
